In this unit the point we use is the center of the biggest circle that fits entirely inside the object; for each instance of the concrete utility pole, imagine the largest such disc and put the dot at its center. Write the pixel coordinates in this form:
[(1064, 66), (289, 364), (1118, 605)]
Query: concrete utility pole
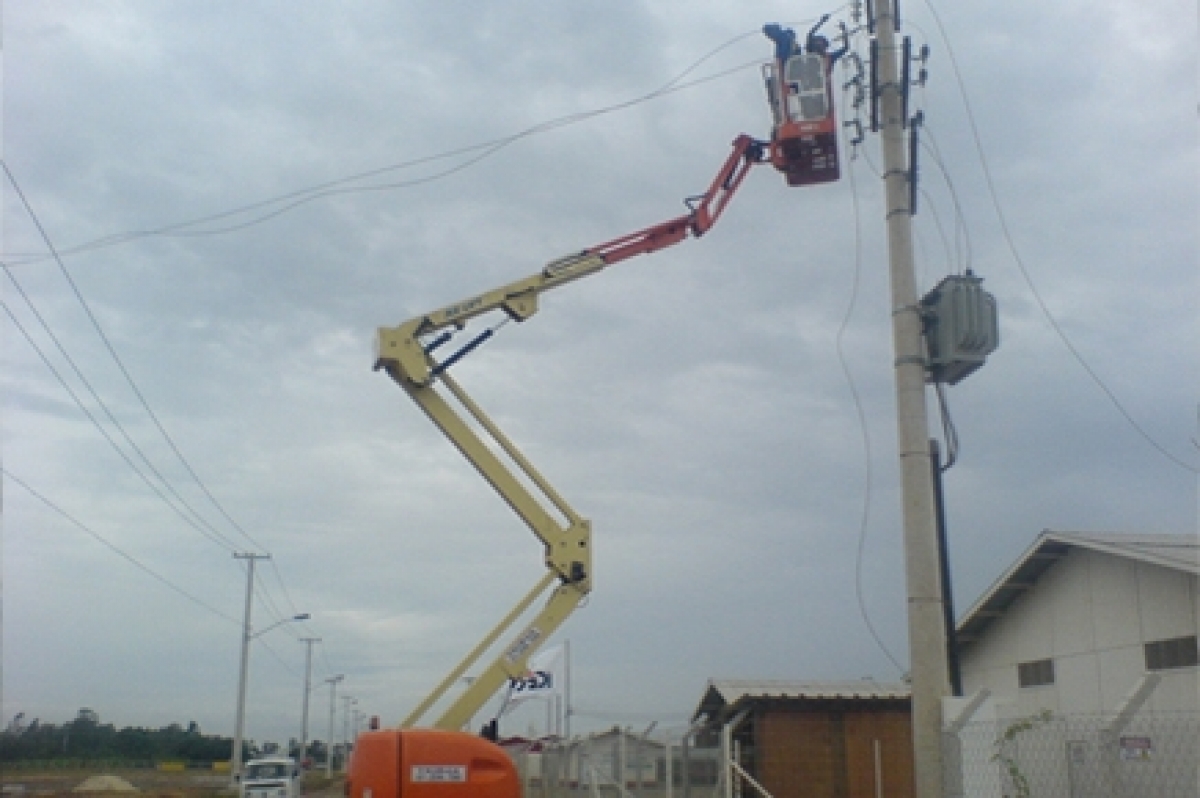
[(332, 682), (348, 701), (235, 762), (926, 633), (308, 641)]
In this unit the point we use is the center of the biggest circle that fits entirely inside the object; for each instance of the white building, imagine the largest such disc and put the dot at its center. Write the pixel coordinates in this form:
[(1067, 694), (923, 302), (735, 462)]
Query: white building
[(1081, 620), (1080, 672)]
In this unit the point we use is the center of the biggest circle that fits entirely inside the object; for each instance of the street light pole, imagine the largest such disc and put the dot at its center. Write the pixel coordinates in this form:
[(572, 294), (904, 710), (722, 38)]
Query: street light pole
[(349, 701), (332, 682), (235, 762), (307, 689)]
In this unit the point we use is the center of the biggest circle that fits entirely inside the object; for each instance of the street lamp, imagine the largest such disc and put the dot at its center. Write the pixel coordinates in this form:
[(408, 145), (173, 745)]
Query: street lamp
[(304, 616), (235, 764), (332, 681), (307, 690)]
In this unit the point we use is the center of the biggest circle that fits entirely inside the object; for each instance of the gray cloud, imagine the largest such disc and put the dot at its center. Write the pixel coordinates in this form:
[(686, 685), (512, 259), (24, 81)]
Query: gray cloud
[(693, 403)]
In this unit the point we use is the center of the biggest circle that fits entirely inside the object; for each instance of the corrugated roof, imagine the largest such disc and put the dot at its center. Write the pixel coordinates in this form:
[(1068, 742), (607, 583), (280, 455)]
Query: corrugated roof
[(723, 694), (1178, 552)]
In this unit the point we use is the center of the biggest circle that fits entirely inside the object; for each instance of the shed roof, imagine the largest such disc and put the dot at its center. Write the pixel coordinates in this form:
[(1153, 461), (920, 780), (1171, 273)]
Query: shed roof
[(1177, 552), (722, 695)]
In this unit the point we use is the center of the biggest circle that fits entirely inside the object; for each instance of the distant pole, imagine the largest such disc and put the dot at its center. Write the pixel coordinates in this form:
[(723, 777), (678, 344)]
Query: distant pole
[(235, 762), (332, 681), (926, 633), (308, 641), (348, 701), (566, 731)]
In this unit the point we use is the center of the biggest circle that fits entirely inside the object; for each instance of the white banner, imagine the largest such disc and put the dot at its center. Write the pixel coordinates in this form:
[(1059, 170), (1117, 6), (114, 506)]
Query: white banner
[(544, 679)]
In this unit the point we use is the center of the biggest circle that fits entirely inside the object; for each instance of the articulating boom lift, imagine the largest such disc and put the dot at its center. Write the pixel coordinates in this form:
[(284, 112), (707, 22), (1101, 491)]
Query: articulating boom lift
[(442, 761), (409, 357), (407, 760)]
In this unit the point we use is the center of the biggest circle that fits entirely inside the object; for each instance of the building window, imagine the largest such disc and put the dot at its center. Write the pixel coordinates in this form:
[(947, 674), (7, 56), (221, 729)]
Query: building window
[(1178, 652), (1036, 673)]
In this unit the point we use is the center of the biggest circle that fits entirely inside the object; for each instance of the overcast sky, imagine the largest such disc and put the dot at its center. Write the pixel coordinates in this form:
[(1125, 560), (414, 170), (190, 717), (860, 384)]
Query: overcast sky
[(242, 192)]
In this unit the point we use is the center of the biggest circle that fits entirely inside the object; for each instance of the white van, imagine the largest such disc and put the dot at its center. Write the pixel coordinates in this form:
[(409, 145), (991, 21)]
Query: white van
[(271, 777)]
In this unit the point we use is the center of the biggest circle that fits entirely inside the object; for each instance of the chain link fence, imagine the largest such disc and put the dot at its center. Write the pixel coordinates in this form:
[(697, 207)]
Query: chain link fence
[(619, 763), (1045, 756), (1151, 756)]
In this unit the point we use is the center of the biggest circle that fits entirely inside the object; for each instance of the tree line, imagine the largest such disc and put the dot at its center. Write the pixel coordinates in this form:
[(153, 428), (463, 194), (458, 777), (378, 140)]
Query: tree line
[(87, 738)]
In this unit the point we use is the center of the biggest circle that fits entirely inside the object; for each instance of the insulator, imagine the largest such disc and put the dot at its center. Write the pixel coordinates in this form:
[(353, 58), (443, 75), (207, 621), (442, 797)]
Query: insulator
[(858, 132)]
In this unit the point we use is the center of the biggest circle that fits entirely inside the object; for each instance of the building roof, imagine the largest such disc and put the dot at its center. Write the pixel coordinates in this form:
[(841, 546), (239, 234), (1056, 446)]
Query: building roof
[(722, 695), (1177, 552)]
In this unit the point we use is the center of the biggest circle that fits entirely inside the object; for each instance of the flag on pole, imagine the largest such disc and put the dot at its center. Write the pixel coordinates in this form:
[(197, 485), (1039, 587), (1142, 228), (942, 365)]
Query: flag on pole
[(543, 679)]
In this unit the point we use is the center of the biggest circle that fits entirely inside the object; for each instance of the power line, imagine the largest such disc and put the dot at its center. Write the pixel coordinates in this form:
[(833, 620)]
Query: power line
[(294, 200), (962, 235), (212, 535), (283, 587), (199, 523), (868, 483), (1020, 263), (478, 153), (120, 366), (116, 549)]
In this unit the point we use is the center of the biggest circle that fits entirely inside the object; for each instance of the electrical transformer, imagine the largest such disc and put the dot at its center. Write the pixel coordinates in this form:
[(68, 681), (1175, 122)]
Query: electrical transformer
[(961, 327)]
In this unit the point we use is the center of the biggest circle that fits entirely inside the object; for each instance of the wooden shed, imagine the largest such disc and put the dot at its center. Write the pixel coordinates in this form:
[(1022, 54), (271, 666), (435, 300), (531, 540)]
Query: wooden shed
[(812, 739)]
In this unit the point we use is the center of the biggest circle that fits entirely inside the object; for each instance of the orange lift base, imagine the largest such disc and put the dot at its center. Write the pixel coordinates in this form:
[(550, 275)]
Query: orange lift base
[(429, 763)]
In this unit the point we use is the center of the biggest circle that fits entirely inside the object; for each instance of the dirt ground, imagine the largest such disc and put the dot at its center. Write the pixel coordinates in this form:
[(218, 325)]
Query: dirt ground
[(148, 783)]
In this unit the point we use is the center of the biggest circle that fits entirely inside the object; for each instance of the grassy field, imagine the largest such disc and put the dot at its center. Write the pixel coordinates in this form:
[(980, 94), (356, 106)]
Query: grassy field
[(21, 783)]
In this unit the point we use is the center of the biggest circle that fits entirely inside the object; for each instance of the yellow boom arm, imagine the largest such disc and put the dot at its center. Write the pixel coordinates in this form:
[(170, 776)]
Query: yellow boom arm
[(407, 354)]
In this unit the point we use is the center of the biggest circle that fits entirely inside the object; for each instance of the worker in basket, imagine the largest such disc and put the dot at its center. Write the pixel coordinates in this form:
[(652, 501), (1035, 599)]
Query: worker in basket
[(804, 136)]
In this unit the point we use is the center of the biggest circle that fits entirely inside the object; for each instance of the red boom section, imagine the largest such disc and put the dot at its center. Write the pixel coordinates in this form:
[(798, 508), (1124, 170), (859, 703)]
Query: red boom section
[(706, 209)]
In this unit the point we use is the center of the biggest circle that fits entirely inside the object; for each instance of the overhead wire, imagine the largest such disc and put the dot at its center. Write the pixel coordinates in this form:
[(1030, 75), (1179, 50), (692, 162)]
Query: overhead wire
[(287, 596), (135, 562), (296, 199), (332, 671), (200, 524), (287, 666), (485, 150), (949, 431), (479, 152), (1026, 276), (956, 266), (212, 535), (931, 207), (268, 601), (192, 517), (963, 249), (864, 428), (137, 392)]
